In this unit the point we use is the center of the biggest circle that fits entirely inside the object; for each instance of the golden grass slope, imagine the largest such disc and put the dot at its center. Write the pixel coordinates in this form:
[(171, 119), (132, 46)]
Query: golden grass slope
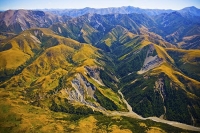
[(22, 48), (118, 34), (11, 59), (163, 54), (172, 74), (18, 50), (45, 73), (85, 52), (57, 58), (17, 115), (187, 55)]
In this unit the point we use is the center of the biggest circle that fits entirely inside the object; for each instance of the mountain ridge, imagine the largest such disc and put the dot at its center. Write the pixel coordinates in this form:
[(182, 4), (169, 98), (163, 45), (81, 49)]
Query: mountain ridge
[(120, 10)]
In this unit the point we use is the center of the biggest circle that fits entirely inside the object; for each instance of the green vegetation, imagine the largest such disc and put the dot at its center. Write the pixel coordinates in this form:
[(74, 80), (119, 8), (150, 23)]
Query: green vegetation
[(187, 61), (143, 98), (70, 108), (18, 116), (108, 80), (179, 98), (135, 125), (104, 101)]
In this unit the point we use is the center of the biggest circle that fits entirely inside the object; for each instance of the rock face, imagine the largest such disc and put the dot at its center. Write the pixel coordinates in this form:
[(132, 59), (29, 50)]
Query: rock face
[(82, 89), (94, 73), (159, 87), (84, 92), (150, 61)]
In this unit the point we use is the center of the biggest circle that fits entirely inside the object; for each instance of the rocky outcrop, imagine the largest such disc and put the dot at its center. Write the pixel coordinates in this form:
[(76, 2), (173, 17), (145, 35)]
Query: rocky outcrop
[(94, 73), (82, 91), (150, 60), (159, 86)]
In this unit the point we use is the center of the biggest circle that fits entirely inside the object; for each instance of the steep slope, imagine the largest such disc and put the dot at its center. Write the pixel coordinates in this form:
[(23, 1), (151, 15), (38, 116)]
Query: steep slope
[(116, 37), (97, 29), (183, 23), (177, 28), (64, 69), (16, 52), (154, 86), (187, 61), (190, 42), (163, 29), (190, 10), (191, 13), (26, 46)]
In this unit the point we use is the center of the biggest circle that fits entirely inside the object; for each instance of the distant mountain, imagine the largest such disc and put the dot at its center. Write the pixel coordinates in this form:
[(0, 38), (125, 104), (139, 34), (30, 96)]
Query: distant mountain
[(175, 26), (19, 20), (171, 28), (192, 13), (122, 10), (103, 11), (190, 10)]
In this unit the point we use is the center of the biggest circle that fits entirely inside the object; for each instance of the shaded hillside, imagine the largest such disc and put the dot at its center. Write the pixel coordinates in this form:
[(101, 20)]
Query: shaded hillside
[(154, 86), (176, 27), (95, 29), (162, 29)]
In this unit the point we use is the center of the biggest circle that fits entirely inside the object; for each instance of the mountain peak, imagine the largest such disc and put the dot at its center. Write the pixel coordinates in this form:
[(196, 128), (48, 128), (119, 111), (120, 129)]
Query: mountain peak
[(191, 7), (190, 10)]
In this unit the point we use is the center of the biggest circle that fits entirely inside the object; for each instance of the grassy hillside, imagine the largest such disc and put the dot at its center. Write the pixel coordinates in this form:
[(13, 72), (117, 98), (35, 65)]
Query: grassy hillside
[(158, 91), (17, 115), (187, 61), (53, 73)]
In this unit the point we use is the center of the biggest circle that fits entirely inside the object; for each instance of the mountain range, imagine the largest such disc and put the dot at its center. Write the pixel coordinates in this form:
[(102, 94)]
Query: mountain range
[(115, 70), (122, 10)]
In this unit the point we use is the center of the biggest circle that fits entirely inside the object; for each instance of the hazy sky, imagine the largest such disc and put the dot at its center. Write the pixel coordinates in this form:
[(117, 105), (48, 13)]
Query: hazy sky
[(63, 4)]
